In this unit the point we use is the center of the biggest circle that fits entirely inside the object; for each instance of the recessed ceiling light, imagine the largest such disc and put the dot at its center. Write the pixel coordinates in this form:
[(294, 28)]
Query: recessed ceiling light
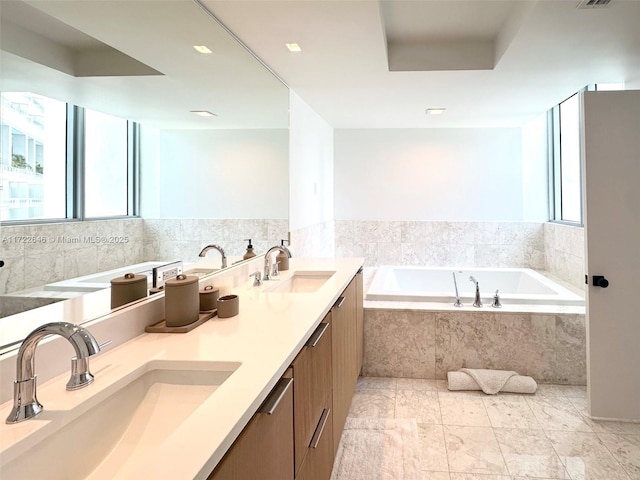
[(202, 49), (435, 111), (204, 113), (293, 47)]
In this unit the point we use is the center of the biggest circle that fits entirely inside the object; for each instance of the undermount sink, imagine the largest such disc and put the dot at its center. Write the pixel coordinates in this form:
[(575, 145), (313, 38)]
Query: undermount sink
[(301, 282), (124, 427), (200, 272)]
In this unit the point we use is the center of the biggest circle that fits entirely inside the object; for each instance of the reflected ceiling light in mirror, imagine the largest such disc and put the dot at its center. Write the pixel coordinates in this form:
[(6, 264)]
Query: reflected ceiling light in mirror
[(204, 113), (435, 111), (293, 47), (202, 49)]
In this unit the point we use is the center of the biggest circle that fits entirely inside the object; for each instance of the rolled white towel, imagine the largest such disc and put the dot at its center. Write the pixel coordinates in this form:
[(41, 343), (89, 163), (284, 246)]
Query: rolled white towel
[(461, 380)]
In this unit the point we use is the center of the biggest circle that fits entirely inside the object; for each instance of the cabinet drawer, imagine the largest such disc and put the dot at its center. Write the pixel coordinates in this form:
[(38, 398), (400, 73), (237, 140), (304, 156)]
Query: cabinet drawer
[(311, 386), (318, 462), (264, 449)]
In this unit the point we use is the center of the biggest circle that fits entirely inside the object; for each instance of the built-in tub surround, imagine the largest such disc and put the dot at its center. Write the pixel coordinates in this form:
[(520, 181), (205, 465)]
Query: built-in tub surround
[(261, 341), (428, 339)]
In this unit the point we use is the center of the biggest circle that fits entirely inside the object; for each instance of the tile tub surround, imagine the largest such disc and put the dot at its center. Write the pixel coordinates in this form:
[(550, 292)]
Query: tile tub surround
[(564, 251), (472, 436), (471, 244), (427, 344)]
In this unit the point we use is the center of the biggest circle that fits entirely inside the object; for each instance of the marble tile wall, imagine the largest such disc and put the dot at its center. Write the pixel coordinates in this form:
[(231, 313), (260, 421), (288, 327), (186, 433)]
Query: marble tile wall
[(418, 344), (183, 238), (564, 252), (464, 244), (314, 241), (35, 255)]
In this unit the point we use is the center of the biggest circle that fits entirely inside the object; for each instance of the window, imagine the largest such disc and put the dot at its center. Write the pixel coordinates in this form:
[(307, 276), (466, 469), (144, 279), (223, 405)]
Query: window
[(58, 161), (565, 158), (105, 160), (33, 155)]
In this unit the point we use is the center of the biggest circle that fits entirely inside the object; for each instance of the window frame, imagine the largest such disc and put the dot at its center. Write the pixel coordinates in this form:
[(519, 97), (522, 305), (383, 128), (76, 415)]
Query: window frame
[(555, 163), (75, 173)]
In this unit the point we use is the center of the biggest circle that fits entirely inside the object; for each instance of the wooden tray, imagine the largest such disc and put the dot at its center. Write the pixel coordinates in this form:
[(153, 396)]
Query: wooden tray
[(161, 326)]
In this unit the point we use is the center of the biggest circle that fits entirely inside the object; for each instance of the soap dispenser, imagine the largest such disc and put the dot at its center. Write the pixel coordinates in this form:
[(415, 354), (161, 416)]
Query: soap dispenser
[(282, 259), (249, 253)]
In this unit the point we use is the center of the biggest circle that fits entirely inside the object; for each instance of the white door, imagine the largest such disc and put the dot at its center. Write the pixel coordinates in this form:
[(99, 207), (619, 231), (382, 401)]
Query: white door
[(612, 234)]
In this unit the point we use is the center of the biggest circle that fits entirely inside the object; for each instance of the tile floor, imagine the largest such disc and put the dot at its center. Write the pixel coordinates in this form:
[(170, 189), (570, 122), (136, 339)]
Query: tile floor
[(472, 436)]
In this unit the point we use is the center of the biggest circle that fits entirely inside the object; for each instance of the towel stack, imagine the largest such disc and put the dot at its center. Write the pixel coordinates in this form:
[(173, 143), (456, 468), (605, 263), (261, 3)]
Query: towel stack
[(490, 381)]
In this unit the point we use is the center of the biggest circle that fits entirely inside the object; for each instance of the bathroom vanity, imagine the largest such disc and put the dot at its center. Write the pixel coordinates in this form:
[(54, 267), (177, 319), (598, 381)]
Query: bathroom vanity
[(266, 390)]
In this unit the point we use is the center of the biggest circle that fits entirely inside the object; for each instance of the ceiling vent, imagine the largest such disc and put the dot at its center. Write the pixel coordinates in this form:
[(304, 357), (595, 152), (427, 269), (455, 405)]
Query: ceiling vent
[(594, 3)]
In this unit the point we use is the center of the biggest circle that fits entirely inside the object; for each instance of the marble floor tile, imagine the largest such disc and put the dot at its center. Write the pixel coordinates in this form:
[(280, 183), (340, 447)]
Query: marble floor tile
[(548, 390), (602, 426), (574, 391), (477, 476), (529, 453), (463, 410), (417, 384), (427, 475), (510, 412), (376, 383), (473, 450), (373, 404), (433, 453), (557, 413), (585, 456), (626, 450), (442, 385), (423, 406), (581, 405)]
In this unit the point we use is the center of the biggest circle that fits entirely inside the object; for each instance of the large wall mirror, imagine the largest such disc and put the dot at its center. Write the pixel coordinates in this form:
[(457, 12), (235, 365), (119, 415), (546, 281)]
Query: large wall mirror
[(219, 177)]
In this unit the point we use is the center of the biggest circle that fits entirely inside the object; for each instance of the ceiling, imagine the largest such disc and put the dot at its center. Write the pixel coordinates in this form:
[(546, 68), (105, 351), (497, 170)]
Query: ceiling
[(364, 63)]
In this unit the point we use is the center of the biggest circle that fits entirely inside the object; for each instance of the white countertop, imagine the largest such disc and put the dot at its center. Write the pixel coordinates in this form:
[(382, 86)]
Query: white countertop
[(264, 337)]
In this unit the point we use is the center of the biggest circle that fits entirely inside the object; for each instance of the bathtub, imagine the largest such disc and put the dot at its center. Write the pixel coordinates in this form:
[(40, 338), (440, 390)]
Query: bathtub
[(435, 284)]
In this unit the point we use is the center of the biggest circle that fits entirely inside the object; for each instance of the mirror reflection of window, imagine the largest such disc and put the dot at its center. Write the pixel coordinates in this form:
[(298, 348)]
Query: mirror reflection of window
[(32, 157), (106, 165)]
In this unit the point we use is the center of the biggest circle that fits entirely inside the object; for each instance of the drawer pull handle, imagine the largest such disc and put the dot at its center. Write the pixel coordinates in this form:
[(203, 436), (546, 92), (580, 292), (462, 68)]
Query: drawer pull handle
[(321, 424), (339, 302), (273, 400), (317, 335)]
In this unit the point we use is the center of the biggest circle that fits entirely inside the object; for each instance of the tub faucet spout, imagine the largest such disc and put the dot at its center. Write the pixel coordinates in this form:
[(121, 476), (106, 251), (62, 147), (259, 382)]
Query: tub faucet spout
[(477, 301)]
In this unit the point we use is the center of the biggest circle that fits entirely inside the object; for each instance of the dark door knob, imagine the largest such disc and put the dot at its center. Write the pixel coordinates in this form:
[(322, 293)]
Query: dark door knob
[(600, 281)]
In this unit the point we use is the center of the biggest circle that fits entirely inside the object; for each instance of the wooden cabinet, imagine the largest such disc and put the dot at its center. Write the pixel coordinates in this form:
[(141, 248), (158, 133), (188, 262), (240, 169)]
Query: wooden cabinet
[(344, 357), (359, 319), (264, 449), (318, 463), (311, 391)]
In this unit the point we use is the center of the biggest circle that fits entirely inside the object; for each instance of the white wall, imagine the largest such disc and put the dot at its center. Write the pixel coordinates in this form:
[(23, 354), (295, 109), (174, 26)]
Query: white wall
[(310, 166), (218, 174), (429, 174)]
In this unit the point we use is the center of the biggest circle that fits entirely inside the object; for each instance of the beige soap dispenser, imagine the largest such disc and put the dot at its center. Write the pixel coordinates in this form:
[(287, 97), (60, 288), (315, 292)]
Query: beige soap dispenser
[(282, 258), (249, 253)]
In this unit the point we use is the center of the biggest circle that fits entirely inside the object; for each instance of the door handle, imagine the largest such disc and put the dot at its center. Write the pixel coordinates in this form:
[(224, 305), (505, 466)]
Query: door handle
[(600, 281)]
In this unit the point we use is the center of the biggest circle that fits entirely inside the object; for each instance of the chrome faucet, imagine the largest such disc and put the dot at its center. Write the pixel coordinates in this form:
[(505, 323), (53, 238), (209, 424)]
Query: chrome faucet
[(204, 251), (25, 403), (267, 264), (477, 302), (457, 303)]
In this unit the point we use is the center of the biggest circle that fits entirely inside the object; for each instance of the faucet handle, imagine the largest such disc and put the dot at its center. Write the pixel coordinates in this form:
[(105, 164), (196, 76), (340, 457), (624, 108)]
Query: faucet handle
[(80, 374), (258, 278), (275, 272)]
